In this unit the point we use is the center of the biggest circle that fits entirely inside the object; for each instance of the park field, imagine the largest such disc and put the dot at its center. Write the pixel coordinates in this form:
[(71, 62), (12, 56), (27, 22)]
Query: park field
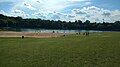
[(96, 50)]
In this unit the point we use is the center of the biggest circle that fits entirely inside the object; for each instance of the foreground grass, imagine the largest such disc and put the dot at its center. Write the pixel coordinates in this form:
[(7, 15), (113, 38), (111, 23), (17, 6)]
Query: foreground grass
[(96, 50)]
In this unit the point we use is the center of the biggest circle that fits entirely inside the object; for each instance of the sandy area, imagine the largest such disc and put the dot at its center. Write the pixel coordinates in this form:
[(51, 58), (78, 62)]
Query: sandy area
[(26, 34)]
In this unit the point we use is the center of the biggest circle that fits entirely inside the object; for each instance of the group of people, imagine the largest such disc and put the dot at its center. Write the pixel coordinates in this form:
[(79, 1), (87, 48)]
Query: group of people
[(85, 33)]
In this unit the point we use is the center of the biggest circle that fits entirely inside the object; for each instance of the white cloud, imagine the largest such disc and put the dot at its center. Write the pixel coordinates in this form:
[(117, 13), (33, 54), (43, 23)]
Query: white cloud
[(78, 11), (29, 6), (52, 9), (19, 13), (94, 14), (40, 1), (39, 15), (2, 12), (106, 14), (115, 15)]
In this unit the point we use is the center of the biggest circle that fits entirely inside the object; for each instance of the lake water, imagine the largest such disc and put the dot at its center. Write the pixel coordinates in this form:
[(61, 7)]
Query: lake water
[(56, 31)]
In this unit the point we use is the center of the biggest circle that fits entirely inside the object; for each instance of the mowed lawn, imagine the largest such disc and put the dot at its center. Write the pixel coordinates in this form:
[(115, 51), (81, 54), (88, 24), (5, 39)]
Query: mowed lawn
[(96, 50)]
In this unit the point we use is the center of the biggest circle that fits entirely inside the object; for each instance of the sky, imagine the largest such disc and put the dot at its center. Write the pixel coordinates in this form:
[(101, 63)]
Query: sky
[(65, 10)]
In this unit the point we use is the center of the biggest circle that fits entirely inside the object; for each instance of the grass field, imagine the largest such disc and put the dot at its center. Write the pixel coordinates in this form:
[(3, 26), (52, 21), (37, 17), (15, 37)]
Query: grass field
[(96, 50)]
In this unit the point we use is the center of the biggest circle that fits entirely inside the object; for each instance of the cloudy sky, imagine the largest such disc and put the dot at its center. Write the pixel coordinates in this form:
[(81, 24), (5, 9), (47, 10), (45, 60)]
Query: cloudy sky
[(67, 10)]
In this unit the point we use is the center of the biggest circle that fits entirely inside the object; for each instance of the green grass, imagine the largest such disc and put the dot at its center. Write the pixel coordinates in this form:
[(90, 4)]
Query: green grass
[(96, 50)]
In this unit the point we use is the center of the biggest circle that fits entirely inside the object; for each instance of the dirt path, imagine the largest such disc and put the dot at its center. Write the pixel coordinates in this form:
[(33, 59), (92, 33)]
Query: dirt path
[(27, 34)]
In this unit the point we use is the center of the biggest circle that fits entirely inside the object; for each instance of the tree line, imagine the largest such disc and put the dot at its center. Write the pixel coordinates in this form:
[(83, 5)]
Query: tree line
[(19, 22)]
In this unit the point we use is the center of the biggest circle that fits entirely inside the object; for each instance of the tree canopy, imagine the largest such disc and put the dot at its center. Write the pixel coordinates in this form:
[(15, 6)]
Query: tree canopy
[(19, 22)]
